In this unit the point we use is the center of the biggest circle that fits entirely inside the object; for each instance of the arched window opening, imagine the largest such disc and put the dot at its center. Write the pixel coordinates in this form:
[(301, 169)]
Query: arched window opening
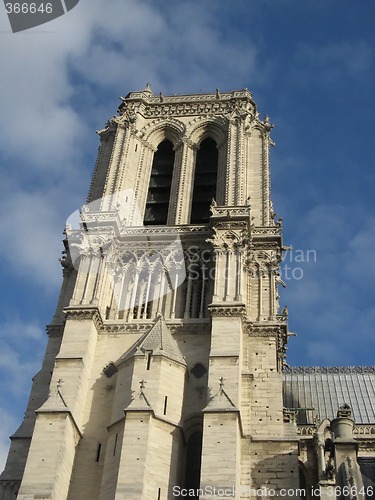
[(205, 179), (159, 190), (193, 462)]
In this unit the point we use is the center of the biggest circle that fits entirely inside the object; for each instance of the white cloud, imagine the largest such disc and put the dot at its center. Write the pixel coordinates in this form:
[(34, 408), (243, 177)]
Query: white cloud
[(32, 233), (112, 48)]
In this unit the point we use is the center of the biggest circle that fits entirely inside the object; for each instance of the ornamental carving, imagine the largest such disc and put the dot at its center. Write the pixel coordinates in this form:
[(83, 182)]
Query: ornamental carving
[(180, 328), (176, 127), (165, 230), (229, 240), (306, 430), (125, 328), (230, 211), (88, 245), (66, 262), (267, 231), (84, 313), (203, 107), (227, 311), (364, 430), (234, 104)]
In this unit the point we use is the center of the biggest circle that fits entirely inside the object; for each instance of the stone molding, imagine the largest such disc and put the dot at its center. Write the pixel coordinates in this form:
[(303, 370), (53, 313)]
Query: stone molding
[(84, 313), (306, 430), (364, 430), (179, 328), (262, 331), (228, 211), (165, 230), (267, 230), (236, 103), (227, 310)]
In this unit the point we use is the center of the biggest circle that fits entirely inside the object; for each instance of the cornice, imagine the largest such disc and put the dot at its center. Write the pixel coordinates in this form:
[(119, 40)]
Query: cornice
[(175, 327), (259, 330), (227, 310), (81, 313), (190, 104)]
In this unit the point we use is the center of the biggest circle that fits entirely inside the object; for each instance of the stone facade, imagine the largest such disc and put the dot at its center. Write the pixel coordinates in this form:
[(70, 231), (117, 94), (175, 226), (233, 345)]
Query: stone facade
[(164, 366)]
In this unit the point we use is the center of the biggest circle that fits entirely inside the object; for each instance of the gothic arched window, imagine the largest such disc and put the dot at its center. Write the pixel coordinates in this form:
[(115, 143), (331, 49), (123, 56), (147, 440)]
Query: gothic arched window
[(159, 190), (205, 179)]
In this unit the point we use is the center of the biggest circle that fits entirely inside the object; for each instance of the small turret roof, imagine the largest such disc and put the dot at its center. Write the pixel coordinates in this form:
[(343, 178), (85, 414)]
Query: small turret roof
[(159, 340)]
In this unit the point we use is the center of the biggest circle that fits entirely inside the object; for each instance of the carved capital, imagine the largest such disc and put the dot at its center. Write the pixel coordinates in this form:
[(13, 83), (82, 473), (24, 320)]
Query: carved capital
[(84, 313)]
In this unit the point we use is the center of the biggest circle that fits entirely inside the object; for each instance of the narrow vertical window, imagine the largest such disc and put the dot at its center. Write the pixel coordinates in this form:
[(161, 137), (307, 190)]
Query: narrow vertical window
[(115, 445), (205, 179), (193, 462), (148, 358), (159, 190), (165, 404), (98, 452)]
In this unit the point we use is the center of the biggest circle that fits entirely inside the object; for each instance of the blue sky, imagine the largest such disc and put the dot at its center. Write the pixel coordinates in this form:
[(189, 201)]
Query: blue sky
[(309, 65)]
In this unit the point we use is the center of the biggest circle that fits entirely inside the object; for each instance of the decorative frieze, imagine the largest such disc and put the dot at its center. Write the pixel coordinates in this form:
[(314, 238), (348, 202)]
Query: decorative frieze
[(180, 328), (227, 211), (306, 430), (261, 331), (364, 430), (218, 310), (267, 231), (165, 230), (84, 313), (150, 106)]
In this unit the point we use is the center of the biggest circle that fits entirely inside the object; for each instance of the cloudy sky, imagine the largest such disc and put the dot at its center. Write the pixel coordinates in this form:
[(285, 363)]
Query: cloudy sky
[(309, 65)]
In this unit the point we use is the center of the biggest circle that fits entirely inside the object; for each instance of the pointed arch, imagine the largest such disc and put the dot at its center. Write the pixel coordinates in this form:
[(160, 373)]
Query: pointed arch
[(159, 190), (162, 129), (205, 181), (216, 130)]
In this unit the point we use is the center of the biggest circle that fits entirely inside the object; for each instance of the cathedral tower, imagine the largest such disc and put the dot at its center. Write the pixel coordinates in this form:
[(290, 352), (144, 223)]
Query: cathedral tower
[(163, 370)]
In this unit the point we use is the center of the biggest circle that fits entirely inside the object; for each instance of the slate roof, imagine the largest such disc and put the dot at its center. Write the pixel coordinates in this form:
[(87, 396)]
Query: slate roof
[(159, 340), (320, 391)]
